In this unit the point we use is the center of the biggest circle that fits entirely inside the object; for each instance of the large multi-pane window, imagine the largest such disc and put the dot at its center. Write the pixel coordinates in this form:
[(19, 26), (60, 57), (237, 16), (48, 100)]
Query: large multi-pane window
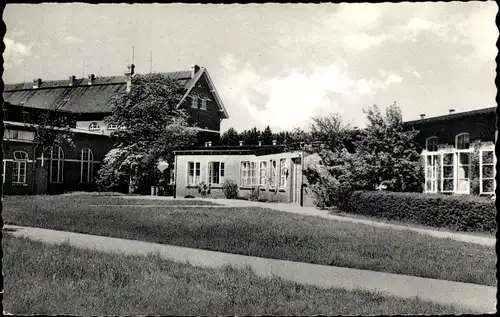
[(216, 172), (431, 144), (462, 145), (487, 161), (262, 173), (431, 173), (193, 173), (56, 164), (86, 161), (248, 173), (283, 173), (273, 169), (19, 167), (448, 172)]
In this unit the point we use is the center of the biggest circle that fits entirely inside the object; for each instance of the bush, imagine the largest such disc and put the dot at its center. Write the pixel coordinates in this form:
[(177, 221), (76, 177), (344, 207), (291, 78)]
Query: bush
[(203, 189), (460, 213), (230, 189)]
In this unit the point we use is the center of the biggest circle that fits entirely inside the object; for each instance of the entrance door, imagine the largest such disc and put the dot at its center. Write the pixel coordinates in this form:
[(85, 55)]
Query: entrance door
[(296, 180)]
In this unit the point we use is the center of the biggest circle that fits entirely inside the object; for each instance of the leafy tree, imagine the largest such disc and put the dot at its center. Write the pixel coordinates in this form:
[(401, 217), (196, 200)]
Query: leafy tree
[(230, 137), (267, 136), (388, 152), (151, 127)]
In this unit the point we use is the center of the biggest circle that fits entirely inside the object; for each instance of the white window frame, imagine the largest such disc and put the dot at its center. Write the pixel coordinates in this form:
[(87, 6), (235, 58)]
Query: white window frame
[(453, 165), (427, 143), (434, 177), (60, 164), (22, 160), (251, 176), (283, 168), (221, 172), (86, 179), (194, 102), (203, 104), (263, 168), (273, 170), (196, 170), (493, 165), (94, 126), (457, 168)]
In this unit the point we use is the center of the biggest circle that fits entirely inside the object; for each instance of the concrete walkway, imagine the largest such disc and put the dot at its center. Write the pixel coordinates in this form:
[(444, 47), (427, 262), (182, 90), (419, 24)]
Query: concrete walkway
[(312, 211), (475, 297)]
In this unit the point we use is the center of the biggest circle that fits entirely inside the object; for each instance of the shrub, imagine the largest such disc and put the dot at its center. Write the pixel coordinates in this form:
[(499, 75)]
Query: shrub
[(460, 213), (254, 195), (203, 189), (230, 189), (188, 196)]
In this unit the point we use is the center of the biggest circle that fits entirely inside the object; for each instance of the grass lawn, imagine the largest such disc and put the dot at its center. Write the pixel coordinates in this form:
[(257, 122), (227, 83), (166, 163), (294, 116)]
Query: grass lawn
[(269, 234), (60, 279)]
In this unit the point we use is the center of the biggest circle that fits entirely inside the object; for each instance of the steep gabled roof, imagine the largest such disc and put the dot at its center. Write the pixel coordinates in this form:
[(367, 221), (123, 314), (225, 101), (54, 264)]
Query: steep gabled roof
[(84, 98)]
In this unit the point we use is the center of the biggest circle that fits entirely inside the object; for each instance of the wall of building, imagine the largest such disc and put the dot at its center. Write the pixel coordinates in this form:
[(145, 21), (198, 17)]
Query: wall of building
[(233, 172)]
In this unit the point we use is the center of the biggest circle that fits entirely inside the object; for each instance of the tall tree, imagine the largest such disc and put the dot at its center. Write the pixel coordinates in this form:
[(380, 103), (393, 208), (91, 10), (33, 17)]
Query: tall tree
[(151, 127), (267, 136), (230, 137)]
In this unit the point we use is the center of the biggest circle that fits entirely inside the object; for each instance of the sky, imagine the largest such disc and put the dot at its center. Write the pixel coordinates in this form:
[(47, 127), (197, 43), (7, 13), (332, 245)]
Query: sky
[(274, 64)]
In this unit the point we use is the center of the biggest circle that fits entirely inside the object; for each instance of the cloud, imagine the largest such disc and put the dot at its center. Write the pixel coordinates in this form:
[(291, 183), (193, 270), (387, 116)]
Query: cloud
[(362, 41), (15, 52), (290, 100), (70, 39)]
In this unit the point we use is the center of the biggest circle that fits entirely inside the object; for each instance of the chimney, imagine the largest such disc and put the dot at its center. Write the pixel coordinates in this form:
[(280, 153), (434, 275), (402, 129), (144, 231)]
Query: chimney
[(422, 115), (452, 110), (194, 70), (206, 144), (36, 83), (91, 79), (241, 143), (72, 80), (129, 73), (274, 142), (209, 143), (260, 143)]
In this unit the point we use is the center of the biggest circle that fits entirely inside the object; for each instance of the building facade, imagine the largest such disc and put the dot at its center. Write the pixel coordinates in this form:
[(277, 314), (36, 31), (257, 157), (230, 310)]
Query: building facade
[(458, 151), (85, 104), (276, 174)]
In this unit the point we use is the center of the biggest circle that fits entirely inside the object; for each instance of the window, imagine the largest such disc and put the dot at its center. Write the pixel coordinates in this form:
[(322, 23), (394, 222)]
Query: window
[(431, 173), (19, 135), (3, 170), (431, 144), (193, 173), (262, 173), (19, 167), (26, 116), (273, 167), (194, 102), (248, 173), (463, 170), (203, 104), (283, 173), (94, 126), (215, 172), (56, 164), (462, 141), (112, 126), (86, 166), (487, 161), (448, 172)]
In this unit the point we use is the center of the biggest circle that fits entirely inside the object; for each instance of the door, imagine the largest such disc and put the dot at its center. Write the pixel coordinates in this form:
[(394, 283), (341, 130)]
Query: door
[(296, 180)]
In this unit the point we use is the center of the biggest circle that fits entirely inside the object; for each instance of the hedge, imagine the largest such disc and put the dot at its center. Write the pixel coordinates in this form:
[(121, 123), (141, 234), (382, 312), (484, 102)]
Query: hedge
[(459, 213)]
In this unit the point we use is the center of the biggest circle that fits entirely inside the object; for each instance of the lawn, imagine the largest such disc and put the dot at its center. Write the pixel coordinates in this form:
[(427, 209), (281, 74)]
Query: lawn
[(59, 279), (269, 234)]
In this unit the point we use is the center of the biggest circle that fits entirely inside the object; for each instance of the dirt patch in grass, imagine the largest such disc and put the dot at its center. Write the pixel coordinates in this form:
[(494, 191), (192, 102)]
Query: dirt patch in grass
[(59, 279), (273, 234)]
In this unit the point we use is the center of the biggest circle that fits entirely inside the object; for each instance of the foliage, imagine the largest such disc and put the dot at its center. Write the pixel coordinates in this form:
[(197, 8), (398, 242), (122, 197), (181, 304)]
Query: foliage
[(290, 139), (460, 213), (266, 136), (151, 127), (474, 165), (230, 189), (203, 189), (230, 137), (254, 194)]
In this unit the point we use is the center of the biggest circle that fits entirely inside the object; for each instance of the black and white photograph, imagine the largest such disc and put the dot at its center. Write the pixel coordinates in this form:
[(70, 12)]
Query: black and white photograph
[(278, 159)]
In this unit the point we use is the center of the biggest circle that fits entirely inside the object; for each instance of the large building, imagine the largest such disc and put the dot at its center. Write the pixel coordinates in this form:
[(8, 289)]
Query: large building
[(458, 151), (87, 103)]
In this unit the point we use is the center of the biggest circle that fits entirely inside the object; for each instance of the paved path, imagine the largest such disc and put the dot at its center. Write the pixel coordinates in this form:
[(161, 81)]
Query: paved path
[(479, 298), (312, 211)]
